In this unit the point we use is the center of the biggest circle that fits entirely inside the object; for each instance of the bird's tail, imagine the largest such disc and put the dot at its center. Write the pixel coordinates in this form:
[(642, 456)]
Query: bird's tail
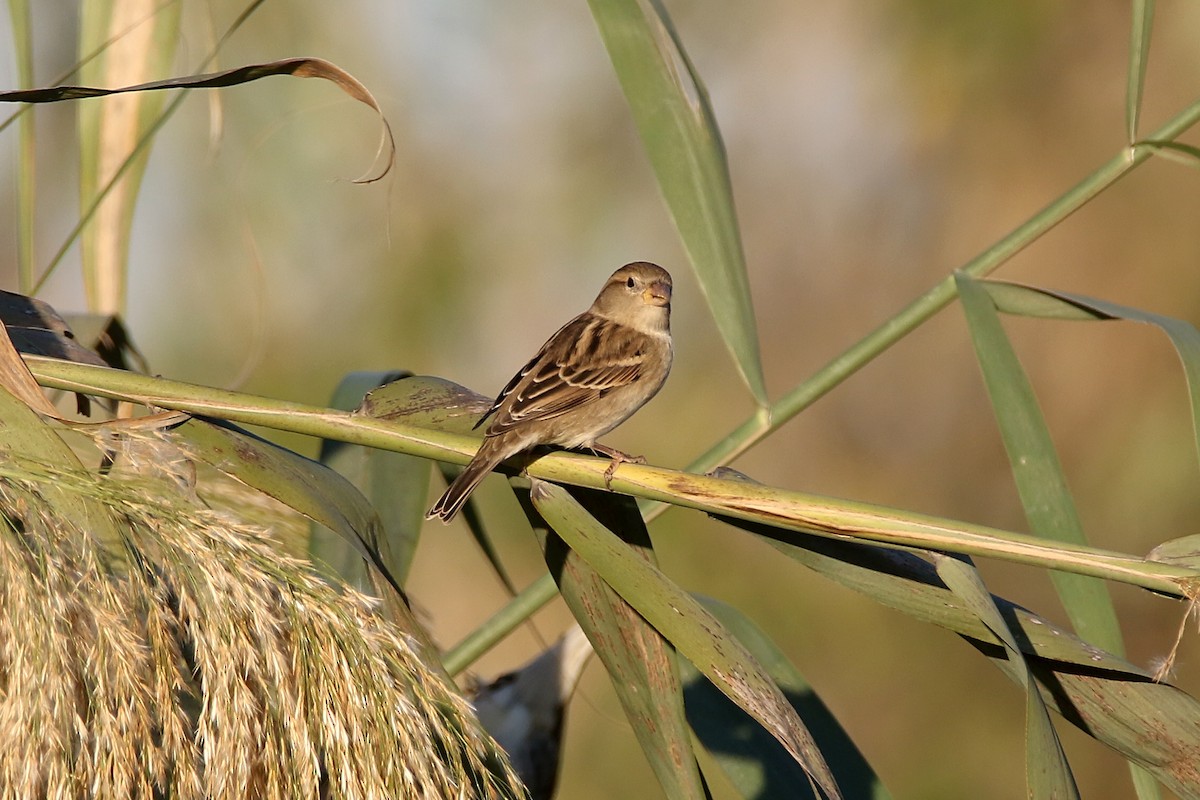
[(461, 487)]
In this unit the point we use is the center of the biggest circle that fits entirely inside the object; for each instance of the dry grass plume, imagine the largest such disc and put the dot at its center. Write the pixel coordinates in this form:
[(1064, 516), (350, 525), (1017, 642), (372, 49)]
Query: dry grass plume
[(181, 655)]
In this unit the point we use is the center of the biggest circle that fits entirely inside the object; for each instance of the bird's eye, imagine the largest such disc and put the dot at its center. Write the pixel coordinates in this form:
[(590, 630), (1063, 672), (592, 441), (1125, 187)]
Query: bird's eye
[(629, 282)]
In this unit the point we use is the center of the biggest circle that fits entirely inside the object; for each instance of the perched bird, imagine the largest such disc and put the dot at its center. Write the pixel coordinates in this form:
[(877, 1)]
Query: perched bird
[(523, 710), (587, 379)]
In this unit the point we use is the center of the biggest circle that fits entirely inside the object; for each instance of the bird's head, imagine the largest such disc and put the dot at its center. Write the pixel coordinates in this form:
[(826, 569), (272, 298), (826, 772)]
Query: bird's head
[(638, 294)]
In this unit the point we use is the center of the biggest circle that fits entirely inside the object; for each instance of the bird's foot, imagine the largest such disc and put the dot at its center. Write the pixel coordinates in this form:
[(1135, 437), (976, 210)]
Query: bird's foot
[(618, 457)]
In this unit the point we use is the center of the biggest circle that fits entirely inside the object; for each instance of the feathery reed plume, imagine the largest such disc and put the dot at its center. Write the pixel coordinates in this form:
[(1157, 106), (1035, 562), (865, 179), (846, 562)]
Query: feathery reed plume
[(185, 657)]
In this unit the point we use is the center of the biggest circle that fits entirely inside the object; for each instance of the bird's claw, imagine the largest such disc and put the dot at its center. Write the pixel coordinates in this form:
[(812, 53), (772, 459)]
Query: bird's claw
[(618, 458)]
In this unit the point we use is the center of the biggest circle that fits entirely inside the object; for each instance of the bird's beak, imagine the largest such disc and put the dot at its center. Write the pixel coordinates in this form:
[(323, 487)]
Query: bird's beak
[(657, 294)]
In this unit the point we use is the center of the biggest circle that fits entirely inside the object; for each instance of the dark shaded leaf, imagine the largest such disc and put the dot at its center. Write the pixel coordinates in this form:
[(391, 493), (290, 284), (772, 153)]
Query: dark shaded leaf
[(641, 664), (395, 484), (1047, 771), (16, 378), (36, 328), (108, 337), (757, 765), (446, 406), (695, 633)]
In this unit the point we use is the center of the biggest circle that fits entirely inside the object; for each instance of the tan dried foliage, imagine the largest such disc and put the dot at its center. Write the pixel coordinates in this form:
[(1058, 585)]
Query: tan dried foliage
[(191, 659)]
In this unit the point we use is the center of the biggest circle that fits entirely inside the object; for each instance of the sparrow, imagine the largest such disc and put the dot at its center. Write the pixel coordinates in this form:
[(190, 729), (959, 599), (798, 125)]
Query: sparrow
[(587, 379)]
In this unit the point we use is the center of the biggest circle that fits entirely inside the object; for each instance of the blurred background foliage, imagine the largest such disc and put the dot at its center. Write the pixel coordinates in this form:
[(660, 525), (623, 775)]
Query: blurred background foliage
[(873, 148)]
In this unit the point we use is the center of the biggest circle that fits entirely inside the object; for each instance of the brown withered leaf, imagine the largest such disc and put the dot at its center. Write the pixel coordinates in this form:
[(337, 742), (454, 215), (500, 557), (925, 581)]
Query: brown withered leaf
[(296, 67)]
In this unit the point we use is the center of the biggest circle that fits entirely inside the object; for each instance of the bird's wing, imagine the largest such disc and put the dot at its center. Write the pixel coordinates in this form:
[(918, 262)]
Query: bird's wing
[(587, 358)]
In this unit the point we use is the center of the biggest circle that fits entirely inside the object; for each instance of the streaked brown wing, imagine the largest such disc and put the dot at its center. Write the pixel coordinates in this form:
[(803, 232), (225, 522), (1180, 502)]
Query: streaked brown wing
[(567, 333), (510, 386), (584, 360)]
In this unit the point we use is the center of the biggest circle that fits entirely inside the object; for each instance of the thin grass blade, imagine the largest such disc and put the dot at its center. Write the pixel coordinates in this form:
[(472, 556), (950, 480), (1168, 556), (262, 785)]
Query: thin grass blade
[(1029, 301), (22, 33), (1139, 56), (109, 132), (1012, 298), (1047, 501), (1179, 152), (295, 67), (673, 115)]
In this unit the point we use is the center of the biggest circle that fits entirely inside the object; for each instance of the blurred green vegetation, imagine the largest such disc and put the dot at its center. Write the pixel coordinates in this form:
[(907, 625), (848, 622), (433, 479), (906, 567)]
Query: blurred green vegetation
[(872, 148)]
